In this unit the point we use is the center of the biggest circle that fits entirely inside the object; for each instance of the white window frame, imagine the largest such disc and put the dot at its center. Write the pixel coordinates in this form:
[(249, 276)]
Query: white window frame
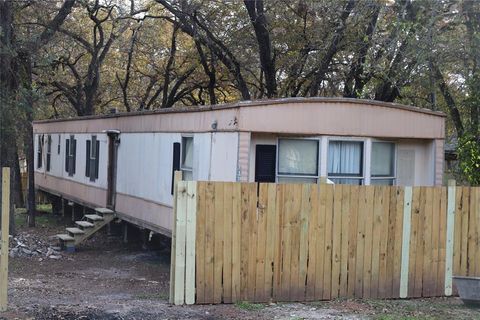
[(313, 177), (362, 178), (182, 168), (394, 177)]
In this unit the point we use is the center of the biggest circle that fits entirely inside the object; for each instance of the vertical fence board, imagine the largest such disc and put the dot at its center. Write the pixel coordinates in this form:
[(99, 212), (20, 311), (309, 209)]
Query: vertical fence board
[(383, 286), (442, 242), (398, 247), (4, 238), (435, 246), (352, 240), (476, 216), (227, 241), (306, 208), (406, 241), (367, 258), (336, 240), (320, 251), (413, 240), (191, 217), (362, 212), (390, 248), (181, 221), (312, 244), (279, 218), (294, 294), (451, 240), (200, 243), (271, 239), (261, 242), (457, 243), (327, 267), (345, 214), (236, 240), (218, 243), (209, 240), (427, 268), (472, 237), (465, 222), (420, 244)]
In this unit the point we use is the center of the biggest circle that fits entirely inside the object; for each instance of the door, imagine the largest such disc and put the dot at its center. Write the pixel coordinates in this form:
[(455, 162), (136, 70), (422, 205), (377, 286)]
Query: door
[(113, 142), (265, 163)]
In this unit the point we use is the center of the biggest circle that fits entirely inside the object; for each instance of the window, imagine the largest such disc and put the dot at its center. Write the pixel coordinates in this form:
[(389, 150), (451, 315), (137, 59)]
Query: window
[(70, 155), (49, 151), (383, 163), (92, 158), (187, 158), (297, 160), (345, 162), (39, 151)]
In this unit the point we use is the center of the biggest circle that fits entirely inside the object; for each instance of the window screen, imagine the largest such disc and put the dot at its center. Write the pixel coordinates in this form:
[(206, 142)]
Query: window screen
[(298, 157)]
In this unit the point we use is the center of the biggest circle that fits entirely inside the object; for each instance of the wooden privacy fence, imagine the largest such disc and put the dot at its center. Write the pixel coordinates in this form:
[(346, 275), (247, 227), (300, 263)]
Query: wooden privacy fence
[(292, 242)]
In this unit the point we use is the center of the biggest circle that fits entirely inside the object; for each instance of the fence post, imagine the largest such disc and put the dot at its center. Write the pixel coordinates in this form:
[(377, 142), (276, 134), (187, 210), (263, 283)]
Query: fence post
[(405, 260), (176, 179), (190, 242), (450, 230), (4, 238)]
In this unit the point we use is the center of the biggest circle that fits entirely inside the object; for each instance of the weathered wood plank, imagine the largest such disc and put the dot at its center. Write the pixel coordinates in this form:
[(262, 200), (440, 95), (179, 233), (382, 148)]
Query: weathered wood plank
[(218, 243), (336, 240), (345, 216), (420, 245), (4, 238), (428, 272), (362, 213), (209, 241), (261, 243), (180, 239), (450, 237), (442, 243), (327, 267), (313, 243), (305, 210), (367, 259), (272, 228), (294, 294), (352, 240), (320, 252), (191, 217), (252, 240), (227, 241), (236, 240), (200, 243), (377, 234), (383, 282), (279, 240), (397, 255), (413, 240), (244, 243), (406, 240)]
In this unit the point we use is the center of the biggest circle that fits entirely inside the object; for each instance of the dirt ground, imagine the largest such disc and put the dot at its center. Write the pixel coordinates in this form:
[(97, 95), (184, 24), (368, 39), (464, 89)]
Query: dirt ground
[(106, 279)]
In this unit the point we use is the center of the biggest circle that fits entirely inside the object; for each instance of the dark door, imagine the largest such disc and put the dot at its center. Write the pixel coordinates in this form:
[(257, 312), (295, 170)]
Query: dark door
[(265, 163), (113, 142)]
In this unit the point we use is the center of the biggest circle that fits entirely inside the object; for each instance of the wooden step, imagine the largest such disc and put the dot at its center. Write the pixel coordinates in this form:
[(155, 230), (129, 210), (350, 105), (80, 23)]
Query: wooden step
[(65, 237), (104, 211), (94, 217), (84, 224), (75, 231)]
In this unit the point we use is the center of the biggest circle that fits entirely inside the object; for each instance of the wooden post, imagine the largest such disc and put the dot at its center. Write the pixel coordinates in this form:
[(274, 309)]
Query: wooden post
[(190, 242), (4, 238), (450, 234), (405, 260), (177, 177)]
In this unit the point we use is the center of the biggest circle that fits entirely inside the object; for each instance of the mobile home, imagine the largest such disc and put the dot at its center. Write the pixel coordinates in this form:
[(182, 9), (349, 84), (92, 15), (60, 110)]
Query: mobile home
[(125, 161)]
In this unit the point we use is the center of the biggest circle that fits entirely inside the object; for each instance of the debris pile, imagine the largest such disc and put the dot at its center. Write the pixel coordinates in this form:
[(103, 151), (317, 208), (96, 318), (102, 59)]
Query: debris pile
[(28, 245)]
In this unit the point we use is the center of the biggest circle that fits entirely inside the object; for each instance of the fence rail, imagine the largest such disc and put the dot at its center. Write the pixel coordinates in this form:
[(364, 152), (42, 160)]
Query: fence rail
[(303, 242)]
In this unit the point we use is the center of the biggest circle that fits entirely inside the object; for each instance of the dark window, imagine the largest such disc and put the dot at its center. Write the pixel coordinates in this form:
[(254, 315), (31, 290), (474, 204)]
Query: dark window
[(265, 160), (70, 155), (92, 156), (175, 162), (39, 151), (58, 145), (49, 151)]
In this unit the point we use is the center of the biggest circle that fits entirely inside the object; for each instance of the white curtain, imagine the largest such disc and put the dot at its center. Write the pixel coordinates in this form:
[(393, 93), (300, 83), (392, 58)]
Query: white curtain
[(297, 157), (187, 153), (382, 159), (345, 157)]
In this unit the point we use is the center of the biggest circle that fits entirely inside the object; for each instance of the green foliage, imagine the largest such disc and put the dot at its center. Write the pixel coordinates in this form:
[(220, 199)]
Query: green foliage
[(245, 305), (469, 158)]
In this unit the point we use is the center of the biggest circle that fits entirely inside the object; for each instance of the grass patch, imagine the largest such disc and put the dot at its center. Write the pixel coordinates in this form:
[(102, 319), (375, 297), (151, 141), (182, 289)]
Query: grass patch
[(245, 305), (43, 218), (153, 296)]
